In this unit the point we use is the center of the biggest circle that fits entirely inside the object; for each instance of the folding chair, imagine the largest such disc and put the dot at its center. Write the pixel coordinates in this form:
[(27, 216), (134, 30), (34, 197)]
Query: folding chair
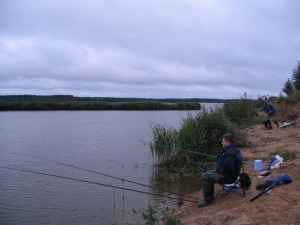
[(237, 184)]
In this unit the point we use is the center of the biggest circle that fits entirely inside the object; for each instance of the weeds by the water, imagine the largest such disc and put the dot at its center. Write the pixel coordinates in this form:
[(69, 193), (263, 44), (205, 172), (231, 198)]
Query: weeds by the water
[(177, 148), (149, 215), (164, 143), (153, 216), (190, 147), (171, 219)]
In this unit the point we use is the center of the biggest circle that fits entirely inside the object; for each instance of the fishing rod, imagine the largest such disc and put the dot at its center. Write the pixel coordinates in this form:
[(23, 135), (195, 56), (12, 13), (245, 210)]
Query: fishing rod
[(205, 154), (96, 183), (107, 175), (278, 181), (211, 156), (200, 153), (263, 192)]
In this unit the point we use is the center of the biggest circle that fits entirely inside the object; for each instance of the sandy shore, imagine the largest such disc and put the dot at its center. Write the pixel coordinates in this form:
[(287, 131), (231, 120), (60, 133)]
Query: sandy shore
[(282, 206)]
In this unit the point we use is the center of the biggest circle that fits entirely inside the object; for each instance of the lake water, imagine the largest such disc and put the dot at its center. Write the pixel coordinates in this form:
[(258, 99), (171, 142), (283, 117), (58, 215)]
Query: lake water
[(112, 142)]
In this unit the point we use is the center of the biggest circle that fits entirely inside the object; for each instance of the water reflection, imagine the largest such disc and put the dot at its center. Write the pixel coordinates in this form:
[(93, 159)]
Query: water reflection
[(104, 141), (165, 181)]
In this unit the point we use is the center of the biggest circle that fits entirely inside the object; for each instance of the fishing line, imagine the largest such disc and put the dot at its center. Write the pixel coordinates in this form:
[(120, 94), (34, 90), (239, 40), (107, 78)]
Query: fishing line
[(96, 183), (123, 192), (114, 199), (110, 176), (114, 195), (95, 172)]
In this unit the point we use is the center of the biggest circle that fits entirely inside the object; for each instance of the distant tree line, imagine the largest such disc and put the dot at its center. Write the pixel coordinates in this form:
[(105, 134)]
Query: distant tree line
[(95, 105), (71, 98), (70, 102)]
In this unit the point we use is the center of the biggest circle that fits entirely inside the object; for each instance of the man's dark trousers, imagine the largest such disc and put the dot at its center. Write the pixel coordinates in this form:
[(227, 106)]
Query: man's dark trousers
[(209, 178)]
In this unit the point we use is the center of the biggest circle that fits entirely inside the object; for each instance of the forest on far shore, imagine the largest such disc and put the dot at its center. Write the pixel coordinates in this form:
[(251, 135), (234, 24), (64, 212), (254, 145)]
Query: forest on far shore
[(70, 102)]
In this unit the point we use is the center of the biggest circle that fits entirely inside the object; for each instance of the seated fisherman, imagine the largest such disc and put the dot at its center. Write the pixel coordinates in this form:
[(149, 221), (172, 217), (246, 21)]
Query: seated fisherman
[(270, 110), (228, 166)]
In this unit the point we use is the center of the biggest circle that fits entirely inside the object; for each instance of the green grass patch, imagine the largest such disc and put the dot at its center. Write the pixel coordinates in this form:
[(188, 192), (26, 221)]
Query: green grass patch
[(242, 113), (293, 98), (259, 119), (266, 140)]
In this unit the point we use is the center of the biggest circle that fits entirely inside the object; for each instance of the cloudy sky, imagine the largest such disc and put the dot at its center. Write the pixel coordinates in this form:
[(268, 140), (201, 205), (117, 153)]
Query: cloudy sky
[(148, 48)]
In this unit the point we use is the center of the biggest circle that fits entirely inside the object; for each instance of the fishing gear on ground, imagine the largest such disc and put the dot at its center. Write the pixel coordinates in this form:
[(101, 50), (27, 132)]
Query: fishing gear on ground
[(270, 184), (274, 163)]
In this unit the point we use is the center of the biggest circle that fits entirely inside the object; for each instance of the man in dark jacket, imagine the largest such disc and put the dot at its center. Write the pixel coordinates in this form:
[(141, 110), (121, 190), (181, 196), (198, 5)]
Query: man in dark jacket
[(270, 110), (227, 170)]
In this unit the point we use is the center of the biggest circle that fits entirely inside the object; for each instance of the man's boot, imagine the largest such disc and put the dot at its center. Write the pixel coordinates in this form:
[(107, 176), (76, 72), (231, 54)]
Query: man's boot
[(265, 124), (207, 201), (269, 125)]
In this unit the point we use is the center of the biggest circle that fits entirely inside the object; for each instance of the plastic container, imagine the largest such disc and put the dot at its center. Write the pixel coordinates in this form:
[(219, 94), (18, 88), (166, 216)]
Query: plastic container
[(258, 165)]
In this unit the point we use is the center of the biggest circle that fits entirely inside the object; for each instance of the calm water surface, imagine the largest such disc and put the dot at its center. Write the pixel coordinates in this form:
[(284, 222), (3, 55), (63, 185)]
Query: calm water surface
[(113, 142)]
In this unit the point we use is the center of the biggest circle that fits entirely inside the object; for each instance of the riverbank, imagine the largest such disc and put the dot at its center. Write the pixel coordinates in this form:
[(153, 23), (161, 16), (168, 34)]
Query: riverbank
[(280, 207)]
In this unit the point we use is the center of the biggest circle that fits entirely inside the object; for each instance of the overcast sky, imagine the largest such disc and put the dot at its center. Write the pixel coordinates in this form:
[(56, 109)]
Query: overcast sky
[(148, 48)]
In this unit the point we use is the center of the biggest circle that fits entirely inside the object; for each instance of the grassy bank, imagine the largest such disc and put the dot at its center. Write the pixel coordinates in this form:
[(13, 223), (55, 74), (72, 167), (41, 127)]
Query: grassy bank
[(189, 148), (293, 98)]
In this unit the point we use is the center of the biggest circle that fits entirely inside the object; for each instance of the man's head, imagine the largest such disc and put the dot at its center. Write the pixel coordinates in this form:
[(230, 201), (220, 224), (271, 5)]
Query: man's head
[(228, 139)]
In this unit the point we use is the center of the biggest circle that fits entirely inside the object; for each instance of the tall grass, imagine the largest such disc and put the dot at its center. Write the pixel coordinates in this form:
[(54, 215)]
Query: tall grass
[(294, 98), (164, 143), (241, 112), (192, 145), (155, 216)]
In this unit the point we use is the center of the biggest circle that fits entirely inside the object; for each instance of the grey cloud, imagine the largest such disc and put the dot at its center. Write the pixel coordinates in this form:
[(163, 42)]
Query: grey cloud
[(171, 48)]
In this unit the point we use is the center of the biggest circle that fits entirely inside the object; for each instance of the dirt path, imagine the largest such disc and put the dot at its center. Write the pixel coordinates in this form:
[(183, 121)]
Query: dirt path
[(282, 206)]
